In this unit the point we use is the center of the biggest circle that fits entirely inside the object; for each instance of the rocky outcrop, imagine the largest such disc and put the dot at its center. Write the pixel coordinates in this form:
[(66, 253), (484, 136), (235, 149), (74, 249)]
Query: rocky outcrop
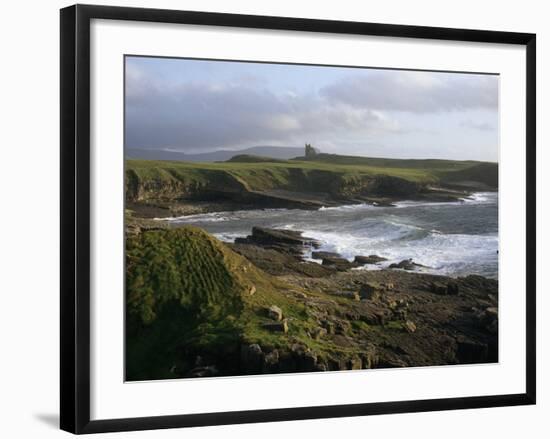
[(298, 357), (281, 326), (488, 319), (323, 255), (442, 288), (409, 326), (406, 264), (371, 259), (289, 241), (370, 291), (389, 186), (334, 318), (340, 264), (276, 261), (275, 313), (347, 294)]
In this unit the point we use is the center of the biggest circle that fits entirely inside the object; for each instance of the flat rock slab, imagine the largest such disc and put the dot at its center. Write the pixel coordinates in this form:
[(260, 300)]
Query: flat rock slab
[(324, 255), (371, 259), (267, 236)]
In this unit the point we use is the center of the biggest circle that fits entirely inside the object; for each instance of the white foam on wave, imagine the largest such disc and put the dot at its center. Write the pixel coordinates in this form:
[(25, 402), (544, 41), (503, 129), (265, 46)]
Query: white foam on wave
[(347, 207), (222, 216), (388, 233), (481, 198), (228, 236), (200, 217), (474, 198), (440, 253), (409, 203)]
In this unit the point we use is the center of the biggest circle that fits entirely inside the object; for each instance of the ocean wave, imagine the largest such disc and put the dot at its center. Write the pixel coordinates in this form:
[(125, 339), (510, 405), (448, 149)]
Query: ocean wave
[(227, 236), (474, 198), (440, 253), (200, 217), (481, 198), (450, 240), (410, 203), (224, 216), (347, 207)]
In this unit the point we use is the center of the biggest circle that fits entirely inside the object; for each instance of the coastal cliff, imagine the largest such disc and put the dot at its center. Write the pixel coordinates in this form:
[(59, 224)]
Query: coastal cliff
[(172, 188)]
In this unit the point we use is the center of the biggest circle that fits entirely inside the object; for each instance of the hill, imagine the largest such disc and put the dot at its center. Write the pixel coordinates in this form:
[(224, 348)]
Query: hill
[(278, 152), (249, 158), (248, 181), (388, 162), (190, 295)]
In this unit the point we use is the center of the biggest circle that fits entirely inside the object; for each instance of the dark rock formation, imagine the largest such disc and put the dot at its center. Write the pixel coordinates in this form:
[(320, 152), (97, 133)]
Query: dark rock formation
[(278, 261), (406, 264), (340, 264), (371, 259), (347, 294), (370, 291), (290, 241), (252, 358), (389, 186), (323, 255), (281, 326), (443, 288)]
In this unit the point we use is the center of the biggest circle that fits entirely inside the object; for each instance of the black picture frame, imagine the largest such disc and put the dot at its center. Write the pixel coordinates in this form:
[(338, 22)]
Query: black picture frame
[(75, 217)]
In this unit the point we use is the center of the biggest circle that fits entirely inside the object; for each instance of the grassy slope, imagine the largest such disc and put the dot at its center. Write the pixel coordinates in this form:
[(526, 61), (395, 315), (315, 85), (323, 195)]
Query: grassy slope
[(260, 174), (186, 288), (378, 162)]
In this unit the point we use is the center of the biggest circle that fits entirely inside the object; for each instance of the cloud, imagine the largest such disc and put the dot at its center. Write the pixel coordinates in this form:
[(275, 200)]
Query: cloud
[(364, 112), (415, 92), (480, 126), (202, 115)]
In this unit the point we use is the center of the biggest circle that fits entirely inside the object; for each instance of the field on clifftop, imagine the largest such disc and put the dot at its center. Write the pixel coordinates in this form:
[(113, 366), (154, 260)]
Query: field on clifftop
[(304, 182), (260, 173)]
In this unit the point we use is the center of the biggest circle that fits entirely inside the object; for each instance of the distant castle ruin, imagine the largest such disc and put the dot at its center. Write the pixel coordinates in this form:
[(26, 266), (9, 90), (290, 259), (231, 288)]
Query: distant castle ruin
[(310, 151)]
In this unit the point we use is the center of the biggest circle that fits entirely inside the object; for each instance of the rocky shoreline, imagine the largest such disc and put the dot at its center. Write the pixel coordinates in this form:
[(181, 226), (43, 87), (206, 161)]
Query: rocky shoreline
[(158, 208), (335, 316), (397, 317)]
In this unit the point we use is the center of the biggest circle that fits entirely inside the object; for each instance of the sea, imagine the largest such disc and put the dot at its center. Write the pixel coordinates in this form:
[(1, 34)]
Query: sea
[(450, 238)]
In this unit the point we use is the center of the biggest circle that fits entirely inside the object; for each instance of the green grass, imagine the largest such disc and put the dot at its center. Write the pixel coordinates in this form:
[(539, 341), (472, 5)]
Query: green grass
[(256, 173), (187, 290), (380, 162), (396, 325), (326, 173), (184, 287)]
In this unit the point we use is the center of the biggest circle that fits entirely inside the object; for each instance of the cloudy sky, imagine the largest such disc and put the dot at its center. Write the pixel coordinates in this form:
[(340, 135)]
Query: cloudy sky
[(199, 106)]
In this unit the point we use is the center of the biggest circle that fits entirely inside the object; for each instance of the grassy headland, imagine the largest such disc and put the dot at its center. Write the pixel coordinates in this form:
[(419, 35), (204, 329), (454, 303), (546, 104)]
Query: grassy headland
[(324, 180)]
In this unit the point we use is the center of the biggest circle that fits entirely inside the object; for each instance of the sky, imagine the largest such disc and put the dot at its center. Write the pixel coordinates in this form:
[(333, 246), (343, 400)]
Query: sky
[(198, 106)]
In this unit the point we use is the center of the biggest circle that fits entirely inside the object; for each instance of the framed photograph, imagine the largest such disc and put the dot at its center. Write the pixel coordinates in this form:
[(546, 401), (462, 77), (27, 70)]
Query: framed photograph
[(268, 218)]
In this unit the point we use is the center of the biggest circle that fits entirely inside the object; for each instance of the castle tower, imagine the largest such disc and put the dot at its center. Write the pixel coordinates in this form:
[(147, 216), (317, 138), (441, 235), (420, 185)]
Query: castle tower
[(310, 151)]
